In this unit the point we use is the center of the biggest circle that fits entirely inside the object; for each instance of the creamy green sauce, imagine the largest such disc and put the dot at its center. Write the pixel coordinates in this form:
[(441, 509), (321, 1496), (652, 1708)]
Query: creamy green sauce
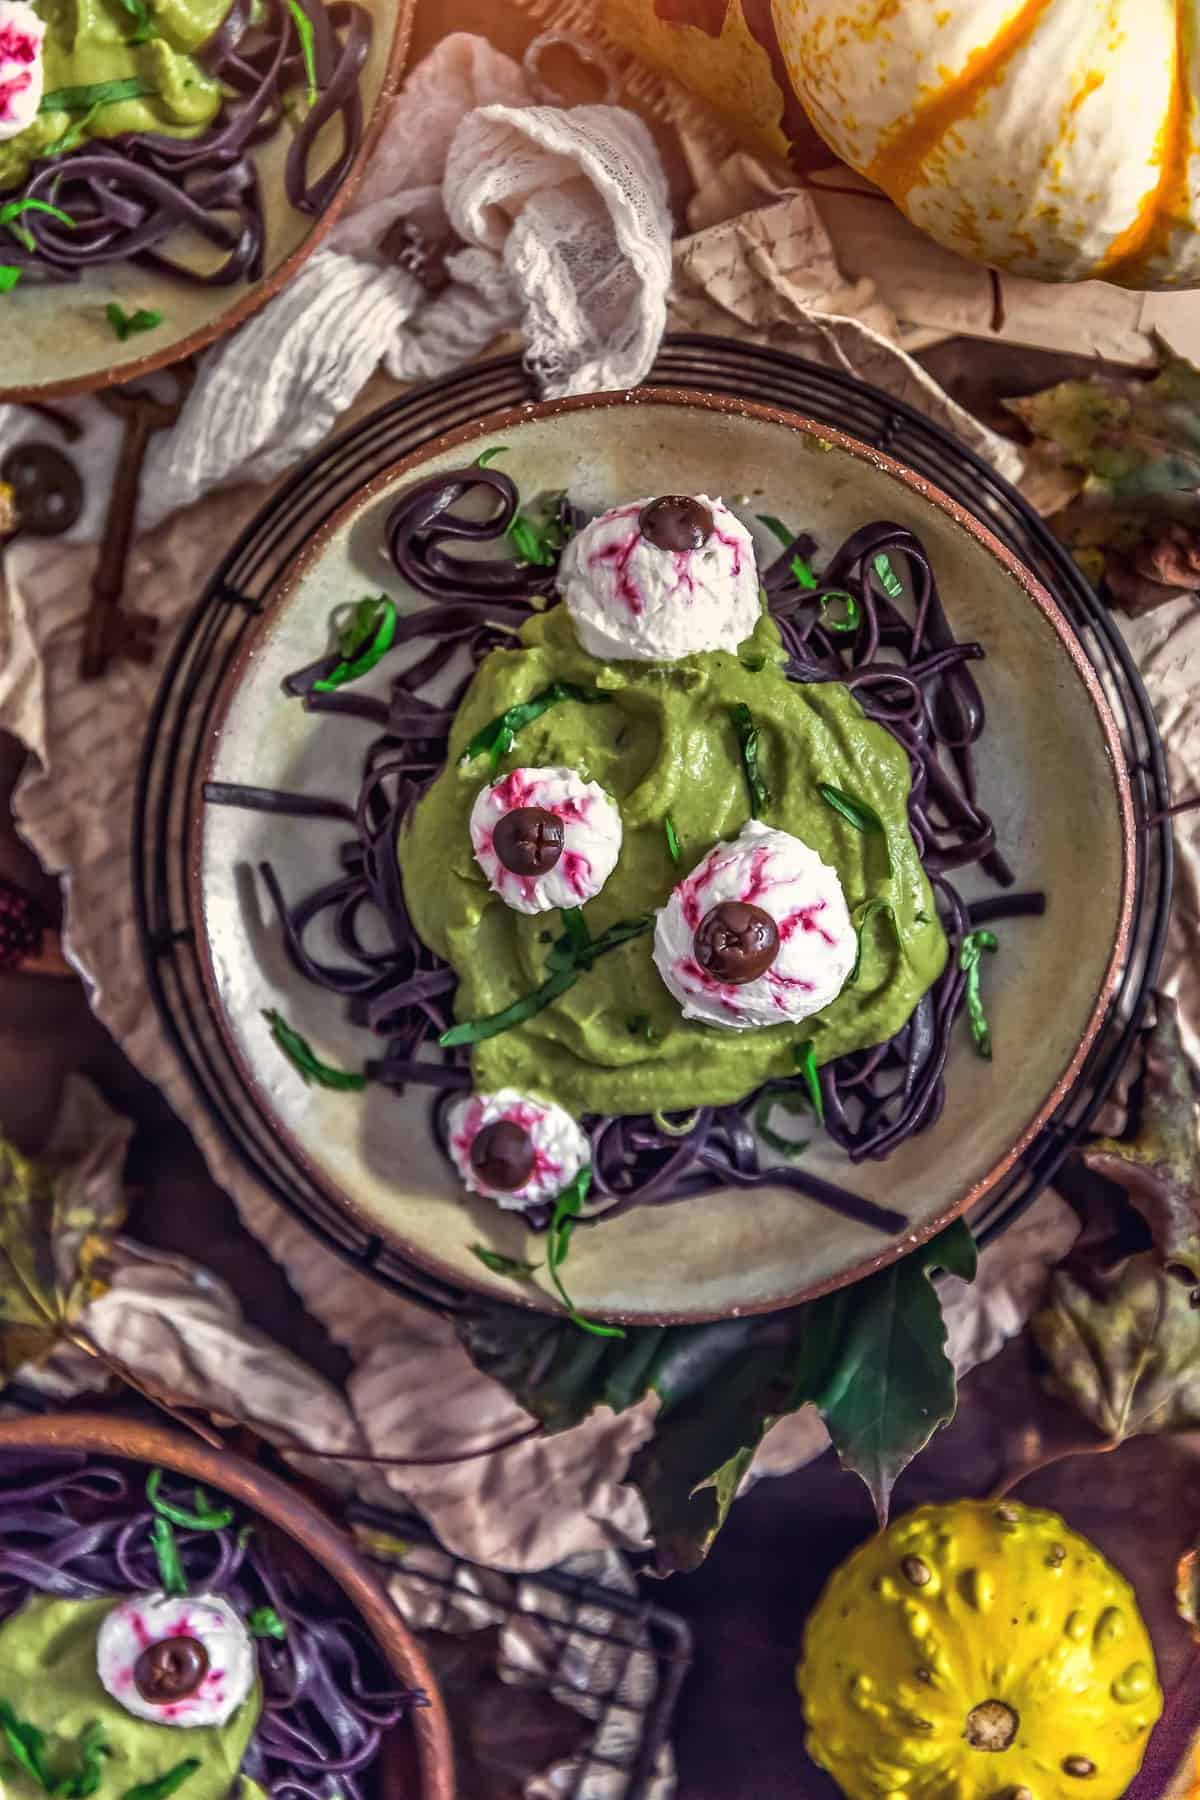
[(666, 745), (48, 1676), (87, 42)]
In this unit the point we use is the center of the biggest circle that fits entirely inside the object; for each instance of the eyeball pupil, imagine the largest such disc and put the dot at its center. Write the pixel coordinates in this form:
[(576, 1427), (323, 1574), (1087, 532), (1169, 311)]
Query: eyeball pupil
[(503, 1155), (736, 942), (170, 1670), (528, 840)]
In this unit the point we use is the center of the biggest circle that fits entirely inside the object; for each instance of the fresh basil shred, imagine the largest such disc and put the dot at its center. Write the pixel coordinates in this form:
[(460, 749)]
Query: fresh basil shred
[(497, 737), (577, 931), (775, 1140), (539, 543), (165, 1785), (264, 1621), (749, 746), (9, 277), (805, 1057), (503, 1265), (565, 965), (488, 456), (868, 912), (98, 93), (672, 837), (144, 26), (850, 621), (567, 1209), (11, 214), (969, 958), (306, 1062), (857, 813), (206, 1517), (799, 567), (308, 48), (127, 325), (890, 582), (166, 1554), (373, 625)]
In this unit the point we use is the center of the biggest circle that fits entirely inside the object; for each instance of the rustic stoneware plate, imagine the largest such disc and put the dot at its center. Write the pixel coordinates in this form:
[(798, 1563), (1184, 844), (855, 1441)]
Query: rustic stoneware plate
[(56, 341), (417, 1761), (1051, 774)]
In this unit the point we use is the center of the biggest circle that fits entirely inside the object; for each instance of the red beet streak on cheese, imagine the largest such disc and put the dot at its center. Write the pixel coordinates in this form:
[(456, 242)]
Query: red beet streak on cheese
[(805, 918), (9, 91), (16, 45)]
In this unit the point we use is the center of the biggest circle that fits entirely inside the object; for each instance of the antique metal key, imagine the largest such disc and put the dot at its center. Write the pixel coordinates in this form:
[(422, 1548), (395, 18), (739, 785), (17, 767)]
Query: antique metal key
[(110, 629)]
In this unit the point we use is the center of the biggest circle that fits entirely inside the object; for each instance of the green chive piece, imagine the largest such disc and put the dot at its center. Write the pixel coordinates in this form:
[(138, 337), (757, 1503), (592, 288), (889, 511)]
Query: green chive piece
[(839, 596), (565, 965), (98, 93), (503, 1265), (855, 812), (488, 456), (774, 1140), (567, 1209), (91, 1750), (805, 1058), (74, 135), (383, 614), (144, 26), (539, 544), (27, 1746), (9, 277), (577, 932), (497, 736), (969, 957), (672, 838), (210, 1518), (10, 214), (127, 325), (165, 1784), (308, 47), (748, 744), (166, 1551), (869, 910), (891, 583), (799, 567), (264, 1621), (306, 1062)]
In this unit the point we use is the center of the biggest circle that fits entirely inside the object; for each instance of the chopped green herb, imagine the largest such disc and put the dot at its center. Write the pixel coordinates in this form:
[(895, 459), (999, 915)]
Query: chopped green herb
[(166, 1551), (503, 1265), (27, 1746), (74, 135), (577, 932), (98, 93), (305, 1061), (540, 544), (805, 1058), (487, 456), (308, 47), (800, 569), (497, 736), (922, 918), (969, 957), (11, 213), (855, 812), (868, 912), (677, 1127), (264, 1621), (373, 620), (642, 1026), (565, 965), (839, 597), (166, 1784), (567, 1209), (9, 277), (127, 325), (144, 26), (207, 1518), (90, 1751), (748, 743), (774, 1140), (891, 583), (672, 838)]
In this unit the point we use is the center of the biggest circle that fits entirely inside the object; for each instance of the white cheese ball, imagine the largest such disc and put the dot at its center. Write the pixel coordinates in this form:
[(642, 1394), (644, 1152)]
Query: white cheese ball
[(559, 1148), (591, 838), (134, 1625), (22, 75), (817, 944), (632, 601)]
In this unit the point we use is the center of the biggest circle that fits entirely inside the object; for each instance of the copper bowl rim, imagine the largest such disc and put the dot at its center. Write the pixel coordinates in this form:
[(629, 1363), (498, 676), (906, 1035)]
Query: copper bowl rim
[(259, 292), (496, 423), (99, 1434)]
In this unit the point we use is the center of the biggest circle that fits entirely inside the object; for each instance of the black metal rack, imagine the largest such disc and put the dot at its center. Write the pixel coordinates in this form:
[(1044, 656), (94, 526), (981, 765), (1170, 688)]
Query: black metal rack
[(249, 574)]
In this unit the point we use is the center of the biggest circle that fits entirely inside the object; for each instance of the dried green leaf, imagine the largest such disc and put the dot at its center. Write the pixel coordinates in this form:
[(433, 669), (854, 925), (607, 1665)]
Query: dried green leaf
[(1159, 1168), (58, 1218), (1124, 1347)]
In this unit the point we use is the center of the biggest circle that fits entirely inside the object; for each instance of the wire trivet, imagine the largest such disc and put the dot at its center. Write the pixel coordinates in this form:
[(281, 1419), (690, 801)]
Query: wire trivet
[(250, 573)]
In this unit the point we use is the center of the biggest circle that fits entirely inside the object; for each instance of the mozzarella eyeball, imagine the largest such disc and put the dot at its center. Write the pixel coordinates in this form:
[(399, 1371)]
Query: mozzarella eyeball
[(22, 73), (758, 934), (545, 838), (661, 578), (182, 1660), (514, 1149)]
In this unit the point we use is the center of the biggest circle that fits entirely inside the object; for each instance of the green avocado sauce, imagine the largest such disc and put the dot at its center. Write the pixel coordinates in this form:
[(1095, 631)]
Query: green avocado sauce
[(88, 42), (666, 746), (48, 1677)]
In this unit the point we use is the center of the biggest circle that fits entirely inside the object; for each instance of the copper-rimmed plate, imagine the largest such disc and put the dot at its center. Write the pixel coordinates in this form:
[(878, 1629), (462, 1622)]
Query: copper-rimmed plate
[(56, 341), (1051, 773)]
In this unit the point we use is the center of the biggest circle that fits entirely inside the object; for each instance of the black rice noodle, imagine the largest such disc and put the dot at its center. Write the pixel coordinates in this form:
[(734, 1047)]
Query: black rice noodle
[(906, 669), (129, 196), (78, 1528)]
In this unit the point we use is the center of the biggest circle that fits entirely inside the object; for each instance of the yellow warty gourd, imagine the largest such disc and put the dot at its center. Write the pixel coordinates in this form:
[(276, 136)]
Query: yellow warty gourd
[(1056, 138), (978, 1651)]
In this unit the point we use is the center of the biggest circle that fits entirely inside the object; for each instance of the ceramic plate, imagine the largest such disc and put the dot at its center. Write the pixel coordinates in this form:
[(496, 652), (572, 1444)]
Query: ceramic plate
[(56, 340), (1051, 775)]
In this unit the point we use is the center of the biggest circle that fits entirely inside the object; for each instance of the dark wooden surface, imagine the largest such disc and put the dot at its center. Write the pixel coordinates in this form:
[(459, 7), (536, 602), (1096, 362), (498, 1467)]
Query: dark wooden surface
[(738, 1731)]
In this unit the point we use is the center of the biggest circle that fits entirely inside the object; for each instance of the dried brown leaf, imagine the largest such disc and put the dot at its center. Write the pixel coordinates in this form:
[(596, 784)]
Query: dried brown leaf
[(1125, 1347), (1159, 1168)]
